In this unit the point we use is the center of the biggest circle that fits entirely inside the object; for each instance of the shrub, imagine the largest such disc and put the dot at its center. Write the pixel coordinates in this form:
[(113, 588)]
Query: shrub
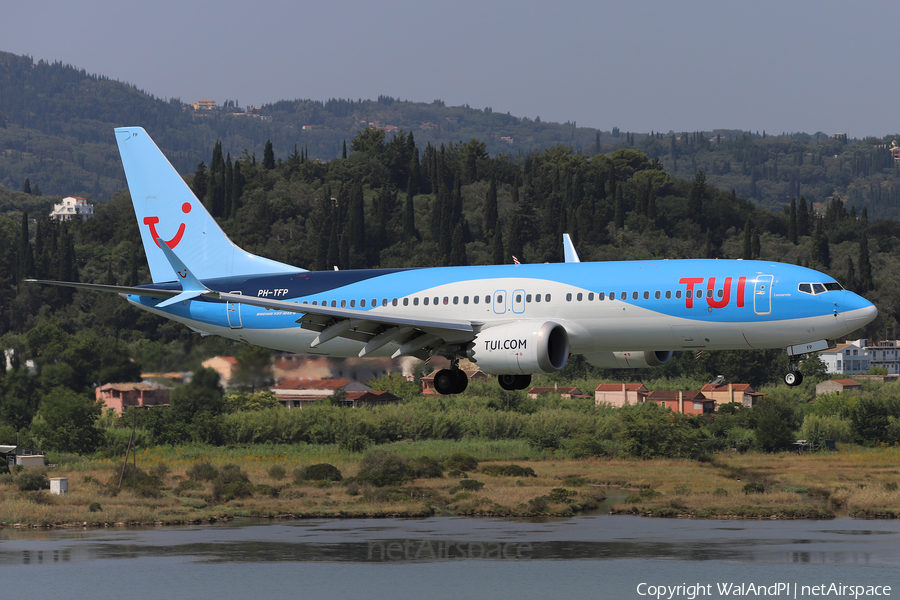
[(561, 494), (890, 486), (508, 471), (381, 468), (145, 484), (203, 471), (95, 507), (470, 485), (266, 490), (720, 492), (323, 472), (277, 472), (462, 462), (425, 467), (187, 485), (574, 481), (354, 442), (299, 475), (31, 480), (754, 488), (231, 483)]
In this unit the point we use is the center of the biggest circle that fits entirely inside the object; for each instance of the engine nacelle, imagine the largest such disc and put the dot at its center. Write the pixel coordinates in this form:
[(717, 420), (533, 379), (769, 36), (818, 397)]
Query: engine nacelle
[(521, 347), (629, 360)]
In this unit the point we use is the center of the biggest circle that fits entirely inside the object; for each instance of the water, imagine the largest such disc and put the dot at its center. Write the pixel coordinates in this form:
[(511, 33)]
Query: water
[(597, 556)]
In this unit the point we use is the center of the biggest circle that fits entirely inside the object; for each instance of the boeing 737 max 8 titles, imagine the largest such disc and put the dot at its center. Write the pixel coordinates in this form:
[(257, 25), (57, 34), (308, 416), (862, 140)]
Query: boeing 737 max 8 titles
[(512, 320)]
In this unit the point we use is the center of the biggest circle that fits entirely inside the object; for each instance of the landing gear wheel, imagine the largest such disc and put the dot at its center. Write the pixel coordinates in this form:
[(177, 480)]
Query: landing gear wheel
[(461, 381), (444, 381), (793, 378), (507, 382), (523, 382)]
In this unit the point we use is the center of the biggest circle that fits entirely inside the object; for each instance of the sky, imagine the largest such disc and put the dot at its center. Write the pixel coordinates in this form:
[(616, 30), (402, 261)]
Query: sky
[(643, 65)]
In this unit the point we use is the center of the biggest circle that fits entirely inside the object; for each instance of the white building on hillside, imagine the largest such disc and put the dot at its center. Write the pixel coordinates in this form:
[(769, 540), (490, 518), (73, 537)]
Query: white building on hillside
[(886, 353), (848, 358), (71, 208)]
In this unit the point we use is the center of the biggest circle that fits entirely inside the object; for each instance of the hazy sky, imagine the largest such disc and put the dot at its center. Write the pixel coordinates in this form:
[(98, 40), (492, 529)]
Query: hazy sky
[(641, 65)]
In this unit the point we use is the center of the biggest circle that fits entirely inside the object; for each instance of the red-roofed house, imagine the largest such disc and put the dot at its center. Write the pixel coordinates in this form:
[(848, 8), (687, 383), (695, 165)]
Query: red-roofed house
[(619, 394), (297, 393), (732, 392), (564, 392), (119, 396), (836, 386), (688, 403)]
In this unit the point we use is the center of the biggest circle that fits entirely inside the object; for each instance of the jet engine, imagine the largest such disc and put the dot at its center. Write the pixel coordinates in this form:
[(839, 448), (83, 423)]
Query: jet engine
[(629, 360), (521, 347)]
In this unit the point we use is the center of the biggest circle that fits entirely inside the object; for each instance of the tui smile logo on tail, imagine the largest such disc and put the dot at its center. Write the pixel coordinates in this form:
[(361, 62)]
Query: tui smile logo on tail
[(152, 221)]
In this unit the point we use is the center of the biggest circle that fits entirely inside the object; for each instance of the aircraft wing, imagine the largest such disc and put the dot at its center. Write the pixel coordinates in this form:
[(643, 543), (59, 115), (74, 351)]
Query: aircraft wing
[(115, 289), (375, 328)]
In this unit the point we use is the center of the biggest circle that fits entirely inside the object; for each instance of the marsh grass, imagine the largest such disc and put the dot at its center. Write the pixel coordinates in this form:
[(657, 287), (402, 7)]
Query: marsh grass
[(859, 480)]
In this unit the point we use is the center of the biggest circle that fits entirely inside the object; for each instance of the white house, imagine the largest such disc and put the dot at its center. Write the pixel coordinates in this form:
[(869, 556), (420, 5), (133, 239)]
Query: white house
[(72, 207), (885, 353), (848, 358)]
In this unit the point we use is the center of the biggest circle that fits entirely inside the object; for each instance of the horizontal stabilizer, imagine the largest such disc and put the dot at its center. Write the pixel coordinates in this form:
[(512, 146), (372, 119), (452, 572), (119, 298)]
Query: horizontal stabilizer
[(569, 249)]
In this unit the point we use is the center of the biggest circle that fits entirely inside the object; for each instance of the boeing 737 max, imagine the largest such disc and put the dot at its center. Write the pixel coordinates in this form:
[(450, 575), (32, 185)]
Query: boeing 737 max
[(512, 320)]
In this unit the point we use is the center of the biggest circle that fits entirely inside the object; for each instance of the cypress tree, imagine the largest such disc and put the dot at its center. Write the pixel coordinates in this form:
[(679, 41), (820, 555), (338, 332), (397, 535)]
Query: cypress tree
[(497, 256), (27, 187), (757, 244), (229, 187), (865, 267), (458, 247), (344, 150), (792, 223), (514, 238), (200, 183), (619, 215), (748, 241), (409, 216), (237, 187), (803, 218), (851, 283), (268, 156), (697, 197), (490, 210)]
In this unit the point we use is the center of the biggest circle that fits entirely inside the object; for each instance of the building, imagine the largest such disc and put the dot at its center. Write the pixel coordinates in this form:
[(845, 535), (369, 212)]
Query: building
[(70, 208), (564, 392), (297, 393), (11, 456), (205, 104), (119, 396), (225, 366), (847, 358), (620, 394), (742, 393), (357, 399), (885, 354), (836, 386), (686, 403)]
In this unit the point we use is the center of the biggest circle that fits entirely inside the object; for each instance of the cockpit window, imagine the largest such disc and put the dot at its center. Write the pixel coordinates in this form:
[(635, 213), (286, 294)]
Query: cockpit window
[(820, 288)]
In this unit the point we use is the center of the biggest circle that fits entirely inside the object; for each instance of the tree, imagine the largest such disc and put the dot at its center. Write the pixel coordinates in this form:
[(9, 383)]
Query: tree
[(200, 182), (697, 197), (66, 422), (490, 210), (792, 223), (775, 422), (268, 162), (254, 367), (865, 282)]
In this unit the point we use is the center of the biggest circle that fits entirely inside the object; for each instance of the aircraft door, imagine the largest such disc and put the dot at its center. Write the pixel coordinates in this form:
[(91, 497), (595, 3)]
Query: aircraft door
[(518, 301), (233, 311), (499, 302), (762, 294)]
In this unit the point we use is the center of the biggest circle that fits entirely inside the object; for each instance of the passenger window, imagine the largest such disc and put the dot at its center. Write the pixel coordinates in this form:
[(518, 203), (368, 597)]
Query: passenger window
[(612, 295), (720, 293), (487, 299), (634, 295), (518, 298), (546, 297), (353, 304), (537, 297), (455, 299), (678, 294), (384, 301), (656, 295), (426, 301), (668, 294), (475, 299), (699, 293), (446, 300), (578, 297), (709, 293), (465, 299), (415, 301), (568, 297), (394, 302), (590, 296), (527, 297), (315, 302), (334, 304), (646, 295), (499, 299), (601, 296), (406, 302), (362, 303), (818, 288)]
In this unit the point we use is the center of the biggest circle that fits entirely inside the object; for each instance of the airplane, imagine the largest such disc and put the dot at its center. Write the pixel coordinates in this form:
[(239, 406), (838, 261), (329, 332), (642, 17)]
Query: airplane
[(513, 321)]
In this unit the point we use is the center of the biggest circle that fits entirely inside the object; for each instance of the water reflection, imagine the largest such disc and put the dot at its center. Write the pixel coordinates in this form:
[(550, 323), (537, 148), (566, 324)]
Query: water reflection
[(592, 538)]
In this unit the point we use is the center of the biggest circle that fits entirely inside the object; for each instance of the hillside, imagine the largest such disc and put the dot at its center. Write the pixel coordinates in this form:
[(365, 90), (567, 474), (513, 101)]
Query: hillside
[(56, 126)]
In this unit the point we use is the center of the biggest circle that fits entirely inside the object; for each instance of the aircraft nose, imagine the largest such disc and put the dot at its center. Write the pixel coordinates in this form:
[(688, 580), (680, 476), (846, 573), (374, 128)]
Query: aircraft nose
[(858, 311)]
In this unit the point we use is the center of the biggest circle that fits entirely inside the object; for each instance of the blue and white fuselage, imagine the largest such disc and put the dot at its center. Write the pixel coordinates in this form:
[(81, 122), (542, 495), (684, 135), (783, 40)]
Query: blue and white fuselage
[(512, 320)]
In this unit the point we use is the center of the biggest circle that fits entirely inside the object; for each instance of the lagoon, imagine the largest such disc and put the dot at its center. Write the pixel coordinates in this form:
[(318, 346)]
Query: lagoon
[(595, 556)]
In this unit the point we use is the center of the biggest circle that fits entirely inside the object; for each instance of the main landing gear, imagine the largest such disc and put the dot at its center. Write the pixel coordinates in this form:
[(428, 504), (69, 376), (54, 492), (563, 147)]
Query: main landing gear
[(451, 381), (514, 382)]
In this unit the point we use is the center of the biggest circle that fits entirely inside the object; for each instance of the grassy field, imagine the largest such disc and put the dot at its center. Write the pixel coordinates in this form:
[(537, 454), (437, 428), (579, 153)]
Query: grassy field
[(861, 482)]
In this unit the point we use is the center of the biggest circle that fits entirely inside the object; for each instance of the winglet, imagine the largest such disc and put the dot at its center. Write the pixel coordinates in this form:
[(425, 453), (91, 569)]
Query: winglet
[(191, 286), (569, 249)]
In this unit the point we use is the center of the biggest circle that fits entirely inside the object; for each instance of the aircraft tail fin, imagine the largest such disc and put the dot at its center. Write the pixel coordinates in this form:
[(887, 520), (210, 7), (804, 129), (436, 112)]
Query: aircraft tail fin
[(167, 209)]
